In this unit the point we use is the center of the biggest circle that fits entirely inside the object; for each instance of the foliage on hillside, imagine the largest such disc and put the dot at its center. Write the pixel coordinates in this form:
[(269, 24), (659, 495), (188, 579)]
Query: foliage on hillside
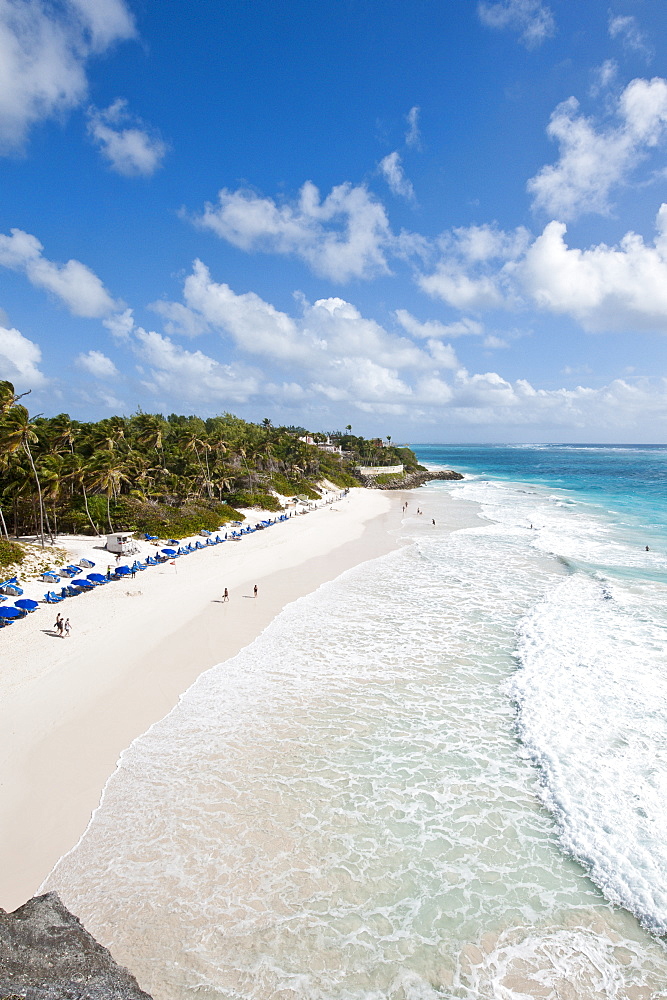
[(11, 553), (163, 475)]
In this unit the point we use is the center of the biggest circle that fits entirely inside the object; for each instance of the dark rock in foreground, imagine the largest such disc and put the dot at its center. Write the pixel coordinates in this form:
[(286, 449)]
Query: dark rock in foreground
[(409, 481), (47, 954)]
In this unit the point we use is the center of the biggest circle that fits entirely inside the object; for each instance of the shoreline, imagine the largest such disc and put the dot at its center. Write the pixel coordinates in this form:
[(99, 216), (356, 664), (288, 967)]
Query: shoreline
[(69, 708)]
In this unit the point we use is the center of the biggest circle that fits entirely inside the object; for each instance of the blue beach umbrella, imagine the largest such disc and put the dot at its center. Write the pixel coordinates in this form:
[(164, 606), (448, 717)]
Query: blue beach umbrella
[(27, 605), (11, 613), (169, 552), (123, 570), (96, 578)]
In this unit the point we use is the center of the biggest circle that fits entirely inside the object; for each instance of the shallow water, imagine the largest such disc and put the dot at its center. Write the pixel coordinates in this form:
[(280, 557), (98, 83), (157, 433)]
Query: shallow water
[(417, 783)]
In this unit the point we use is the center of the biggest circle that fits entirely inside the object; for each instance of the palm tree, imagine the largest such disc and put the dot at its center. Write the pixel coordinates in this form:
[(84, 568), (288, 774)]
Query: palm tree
[(19, 432), (150, 432), (79, 470), (108, 474)]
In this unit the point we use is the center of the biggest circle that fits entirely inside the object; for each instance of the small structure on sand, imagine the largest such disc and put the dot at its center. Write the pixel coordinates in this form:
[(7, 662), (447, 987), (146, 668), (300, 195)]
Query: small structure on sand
[(122, 542)]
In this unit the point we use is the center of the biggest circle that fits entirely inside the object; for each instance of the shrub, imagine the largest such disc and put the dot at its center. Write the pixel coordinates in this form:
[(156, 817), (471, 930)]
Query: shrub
[(148, 517), (386, 478), (255, 498), (11, 553)]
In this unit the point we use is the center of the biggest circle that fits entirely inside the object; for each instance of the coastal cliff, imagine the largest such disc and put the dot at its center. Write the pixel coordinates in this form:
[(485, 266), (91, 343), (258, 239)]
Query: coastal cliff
[(47, 954), (408, 481)]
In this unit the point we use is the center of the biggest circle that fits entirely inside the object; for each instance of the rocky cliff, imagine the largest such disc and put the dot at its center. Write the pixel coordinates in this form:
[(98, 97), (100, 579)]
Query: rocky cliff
[(407, 482), (47, 954)]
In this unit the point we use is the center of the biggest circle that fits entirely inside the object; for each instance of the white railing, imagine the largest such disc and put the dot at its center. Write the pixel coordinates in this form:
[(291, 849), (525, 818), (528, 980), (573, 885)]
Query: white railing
[(380, 470)]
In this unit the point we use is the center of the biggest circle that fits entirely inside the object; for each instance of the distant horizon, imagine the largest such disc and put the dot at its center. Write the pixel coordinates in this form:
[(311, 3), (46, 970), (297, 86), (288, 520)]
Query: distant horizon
[(389, 215)]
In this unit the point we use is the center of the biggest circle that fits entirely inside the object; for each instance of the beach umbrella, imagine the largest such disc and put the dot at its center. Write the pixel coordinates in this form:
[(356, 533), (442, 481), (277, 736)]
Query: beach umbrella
[(96, 578), (169, 552), (123, 570), (11, 613), (26, 604), (82, 583)]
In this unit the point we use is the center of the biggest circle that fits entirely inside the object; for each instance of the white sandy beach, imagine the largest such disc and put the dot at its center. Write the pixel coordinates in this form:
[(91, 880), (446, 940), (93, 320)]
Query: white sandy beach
[(68, 707)]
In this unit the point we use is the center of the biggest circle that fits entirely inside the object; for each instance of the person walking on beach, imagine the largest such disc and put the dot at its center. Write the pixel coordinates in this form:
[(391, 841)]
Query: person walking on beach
[(255, 590), (58, 624), (225, 596), (66, 628)]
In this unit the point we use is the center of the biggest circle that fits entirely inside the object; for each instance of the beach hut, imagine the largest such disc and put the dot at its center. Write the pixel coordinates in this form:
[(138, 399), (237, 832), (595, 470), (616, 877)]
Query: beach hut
[(122, 542)]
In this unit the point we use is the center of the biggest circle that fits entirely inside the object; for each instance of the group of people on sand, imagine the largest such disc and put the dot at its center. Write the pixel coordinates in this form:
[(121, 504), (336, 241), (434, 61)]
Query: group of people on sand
[(225, 594), (419, 511), (62, 626)]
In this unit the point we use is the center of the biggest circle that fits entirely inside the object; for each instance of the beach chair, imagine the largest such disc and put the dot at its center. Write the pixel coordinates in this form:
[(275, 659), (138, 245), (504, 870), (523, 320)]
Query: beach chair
[(151, 561), (52, 598)]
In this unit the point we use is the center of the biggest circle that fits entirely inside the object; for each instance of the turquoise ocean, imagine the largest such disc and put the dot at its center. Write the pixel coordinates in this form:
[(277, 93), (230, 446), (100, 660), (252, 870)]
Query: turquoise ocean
[(443, 775)]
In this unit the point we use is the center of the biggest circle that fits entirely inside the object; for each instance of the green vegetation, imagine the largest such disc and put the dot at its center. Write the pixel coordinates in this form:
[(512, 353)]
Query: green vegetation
[(385, 479), (167, 476), (11, 553)]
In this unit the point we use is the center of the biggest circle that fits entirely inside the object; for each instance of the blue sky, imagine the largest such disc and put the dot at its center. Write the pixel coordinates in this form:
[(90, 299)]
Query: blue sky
[(442, 221)]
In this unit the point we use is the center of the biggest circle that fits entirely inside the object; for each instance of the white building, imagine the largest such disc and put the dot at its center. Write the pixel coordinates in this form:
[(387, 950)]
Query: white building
[(123, 542)]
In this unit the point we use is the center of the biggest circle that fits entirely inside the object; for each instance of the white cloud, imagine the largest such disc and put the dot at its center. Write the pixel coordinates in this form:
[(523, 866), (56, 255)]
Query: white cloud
[(488, 399), (458, 289), (627, 29), (413, 135), (492, 342), (464, 278), (97, 365), (592, 162), (104, 21), (443, 355), (329, 334), (191, 376), (533, 19), (603, 288), (478, 244), (603, 76), (19, 360), (120, 325), (433, 329), (391, 169), (73, 283), (134, 150), (44, 48), (344, 236), (180, 320)]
